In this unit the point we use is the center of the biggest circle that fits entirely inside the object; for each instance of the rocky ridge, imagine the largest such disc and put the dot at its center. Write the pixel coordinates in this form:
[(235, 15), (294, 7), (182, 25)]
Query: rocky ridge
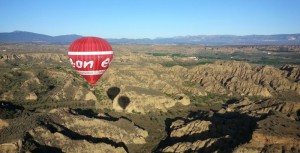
[(232, 77), (67, 130), (146, 87), (244, 126)]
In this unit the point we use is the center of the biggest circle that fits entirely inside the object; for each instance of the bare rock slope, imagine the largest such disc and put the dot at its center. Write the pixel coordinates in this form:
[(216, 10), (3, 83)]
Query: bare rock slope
[(245, 126), (232, 77), (144, 84), (66, 130)]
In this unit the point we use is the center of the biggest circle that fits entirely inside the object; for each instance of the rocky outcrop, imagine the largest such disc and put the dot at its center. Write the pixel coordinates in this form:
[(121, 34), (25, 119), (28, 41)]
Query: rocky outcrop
[(43, 86), (232, 77), (276, 133), (14, 147), (120, 130), (67, 130), (90, 96), (146, 87), (183, 99), (141, 100), (66, 144), (208, 133), (7, 96), (3, 124), (41, 58), (242, 126), (263, 107), (180, 128), (31, 97), (292, 72)]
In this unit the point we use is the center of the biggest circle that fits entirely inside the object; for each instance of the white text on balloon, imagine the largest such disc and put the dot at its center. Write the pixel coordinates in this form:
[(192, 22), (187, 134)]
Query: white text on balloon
[(105, 62), (79, 63)]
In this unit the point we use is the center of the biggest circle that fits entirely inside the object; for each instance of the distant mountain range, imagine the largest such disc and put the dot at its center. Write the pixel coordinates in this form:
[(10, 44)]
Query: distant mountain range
[(30, 37), (279, 39)]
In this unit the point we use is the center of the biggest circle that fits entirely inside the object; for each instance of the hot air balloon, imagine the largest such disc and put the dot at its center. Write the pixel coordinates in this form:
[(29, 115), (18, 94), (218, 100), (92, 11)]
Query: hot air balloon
[(91, 57)]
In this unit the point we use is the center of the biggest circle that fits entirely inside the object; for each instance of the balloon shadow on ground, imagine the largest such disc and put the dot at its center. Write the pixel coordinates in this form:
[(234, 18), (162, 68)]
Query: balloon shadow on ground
[(113, 92), (123, 101)]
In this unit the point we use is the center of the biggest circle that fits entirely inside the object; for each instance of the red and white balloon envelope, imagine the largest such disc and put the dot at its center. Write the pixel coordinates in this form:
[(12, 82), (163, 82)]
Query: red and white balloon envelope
[(91, 57)]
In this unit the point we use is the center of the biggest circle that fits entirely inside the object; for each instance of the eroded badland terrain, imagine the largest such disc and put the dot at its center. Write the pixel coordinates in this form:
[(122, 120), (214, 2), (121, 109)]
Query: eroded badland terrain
[(152, 99)]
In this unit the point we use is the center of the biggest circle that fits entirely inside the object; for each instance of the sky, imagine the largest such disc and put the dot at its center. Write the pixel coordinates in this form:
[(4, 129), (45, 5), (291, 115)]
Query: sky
[(150, 18)]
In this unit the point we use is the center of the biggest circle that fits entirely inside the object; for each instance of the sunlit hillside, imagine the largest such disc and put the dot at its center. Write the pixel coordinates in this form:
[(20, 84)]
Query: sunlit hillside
[(162, 98)]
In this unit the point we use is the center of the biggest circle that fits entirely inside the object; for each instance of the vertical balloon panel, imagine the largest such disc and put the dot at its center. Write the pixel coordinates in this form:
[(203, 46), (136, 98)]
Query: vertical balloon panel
[(91, 57)]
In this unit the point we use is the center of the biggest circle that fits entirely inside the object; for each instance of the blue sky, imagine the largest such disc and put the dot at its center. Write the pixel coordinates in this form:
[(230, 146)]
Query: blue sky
[(150, 18)]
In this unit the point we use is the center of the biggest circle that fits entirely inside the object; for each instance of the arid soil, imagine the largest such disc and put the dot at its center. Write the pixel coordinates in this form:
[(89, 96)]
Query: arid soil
[(149, 100)]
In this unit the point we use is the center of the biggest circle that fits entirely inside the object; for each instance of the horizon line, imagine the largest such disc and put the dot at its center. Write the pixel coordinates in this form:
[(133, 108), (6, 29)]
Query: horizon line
[(188, 35)]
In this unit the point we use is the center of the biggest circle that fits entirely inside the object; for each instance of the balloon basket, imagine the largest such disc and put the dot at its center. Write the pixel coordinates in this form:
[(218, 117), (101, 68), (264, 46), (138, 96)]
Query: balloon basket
[(93, 88)]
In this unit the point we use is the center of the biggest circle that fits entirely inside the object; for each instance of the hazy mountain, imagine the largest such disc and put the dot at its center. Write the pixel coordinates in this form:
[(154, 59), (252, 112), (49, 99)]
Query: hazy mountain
[(280, 39), (30, 37)]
